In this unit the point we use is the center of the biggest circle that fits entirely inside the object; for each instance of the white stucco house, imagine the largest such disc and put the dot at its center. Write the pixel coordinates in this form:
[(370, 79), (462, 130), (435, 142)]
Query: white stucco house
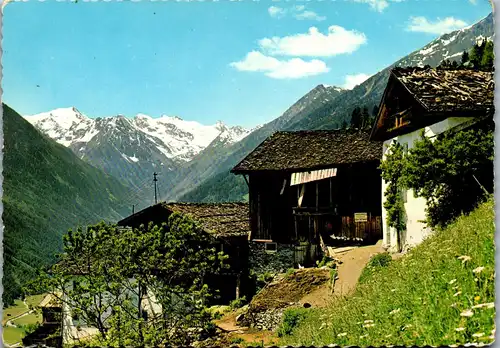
[(435, 101)]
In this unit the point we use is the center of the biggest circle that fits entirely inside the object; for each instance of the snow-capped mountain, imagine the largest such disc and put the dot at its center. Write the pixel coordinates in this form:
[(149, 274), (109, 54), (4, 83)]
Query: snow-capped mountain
[(177, 139), (451, 45), (131, 149)]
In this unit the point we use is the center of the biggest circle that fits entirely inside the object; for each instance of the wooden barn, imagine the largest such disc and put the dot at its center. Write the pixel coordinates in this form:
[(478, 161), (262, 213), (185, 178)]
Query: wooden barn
[(314, 188), (229, 225)]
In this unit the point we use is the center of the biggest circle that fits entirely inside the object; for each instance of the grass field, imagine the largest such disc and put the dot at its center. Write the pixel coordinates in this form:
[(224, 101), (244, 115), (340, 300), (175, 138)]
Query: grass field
[(12, 335), (441, 293), (13, 311), (31, 318)]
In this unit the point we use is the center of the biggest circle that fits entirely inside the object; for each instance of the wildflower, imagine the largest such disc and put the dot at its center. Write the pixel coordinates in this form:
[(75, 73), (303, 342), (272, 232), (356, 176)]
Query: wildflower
[(368, 325), (467, 313), (458, 293), (364, 336), (387, 336), (464, 258), (394, 311), (475, 279), (322, 326), (452, 281), (477, 298), (454, 305), (342, 334), (459, 329), (484, 305), (368, 321), (479, 334), (478, 270), (393, 290)]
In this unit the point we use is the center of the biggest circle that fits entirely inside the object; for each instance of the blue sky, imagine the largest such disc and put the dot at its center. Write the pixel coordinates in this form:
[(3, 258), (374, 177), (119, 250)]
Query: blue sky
[(241, 62)]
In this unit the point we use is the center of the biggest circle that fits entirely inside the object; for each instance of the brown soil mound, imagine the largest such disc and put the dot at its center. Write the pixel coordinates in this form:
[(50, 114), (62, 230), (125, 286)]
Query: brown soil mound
[(289, 289)]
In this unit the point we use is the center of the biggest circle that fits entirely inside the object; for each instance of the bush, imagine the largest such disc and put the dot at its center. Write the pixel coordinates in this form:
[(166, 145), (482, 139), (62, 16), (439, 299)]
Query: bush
[(291, 319), (289, 272), (238, 303), (376, 262), (324, 261), (237, 340)]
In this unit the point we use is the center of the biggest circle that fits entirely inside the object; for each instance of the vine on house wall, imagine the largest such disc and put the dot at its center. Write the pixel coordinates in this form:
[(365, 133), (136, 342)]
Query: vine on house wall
[(392, 173)]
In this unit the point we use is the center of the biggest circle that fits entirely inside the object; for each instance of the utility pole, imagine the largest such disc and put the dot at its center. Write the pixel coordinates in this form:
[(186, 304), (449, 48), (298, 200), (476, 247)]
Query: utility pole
[(155, 180), (133, 209)]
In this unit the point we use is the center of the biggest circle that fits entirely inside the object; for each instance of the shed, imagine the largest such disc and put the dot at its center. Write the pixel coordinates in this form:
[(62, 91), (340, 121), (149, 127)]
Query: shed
[(314, 187), (227, 223)]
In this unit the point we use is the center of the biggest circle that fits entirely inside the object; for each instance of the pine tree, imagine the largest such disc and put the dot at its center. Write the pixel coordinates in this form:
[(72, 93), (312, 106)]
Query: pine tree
[(465, 57), (356, 117), (365, 118)]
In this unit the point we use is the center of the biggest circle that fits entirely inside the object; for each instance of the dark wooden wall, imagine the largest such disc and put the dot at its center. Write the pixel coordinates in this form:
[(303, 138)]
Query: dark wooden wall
[(356, 188)]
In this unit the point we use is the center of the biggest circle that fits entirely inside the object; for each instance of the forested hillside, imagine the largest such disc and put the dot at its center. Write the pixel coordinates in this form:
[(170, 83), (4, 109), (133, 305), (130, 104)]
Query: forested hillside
[(46, 190)]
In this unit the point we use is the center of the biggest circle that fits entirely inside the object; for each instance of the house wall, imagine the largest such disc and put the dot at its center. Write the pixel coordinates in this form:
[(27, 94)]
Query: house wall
[(416, 231)]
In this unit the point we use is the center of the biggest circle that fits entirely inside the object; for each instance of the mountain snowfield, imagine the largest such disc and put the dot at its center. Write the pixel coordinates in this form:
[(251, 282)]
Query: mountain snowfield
[(172, 136)]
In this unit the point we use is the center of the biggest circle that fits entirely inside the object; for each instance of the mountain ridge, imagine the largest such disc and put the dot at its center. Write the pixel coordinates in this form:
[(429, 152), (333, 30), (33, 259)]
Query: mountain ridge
[(333, 113)]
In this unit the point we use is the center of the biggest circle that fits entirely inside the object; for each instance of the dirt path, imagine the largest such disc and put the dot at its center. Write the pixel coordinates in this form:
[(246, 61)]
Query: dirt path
[(353, 262)]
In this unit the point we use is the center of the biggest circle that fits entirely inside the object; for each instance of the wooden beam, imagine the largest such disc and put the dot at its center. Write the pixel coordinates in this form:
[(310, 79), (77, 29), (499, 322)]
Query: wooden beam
[(246, 180), (317, 196), (331, 198)]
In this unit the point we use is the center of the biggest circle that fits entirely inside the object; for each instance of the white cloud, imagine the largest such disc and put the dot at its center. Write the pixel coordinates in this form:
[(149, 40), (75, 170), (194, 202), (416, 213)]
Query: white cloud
[(473, 2), (309, 15), (276, 12), (280, 69), (352, 81), (315, 44), (377, 5), (440, 26), (298, 12)]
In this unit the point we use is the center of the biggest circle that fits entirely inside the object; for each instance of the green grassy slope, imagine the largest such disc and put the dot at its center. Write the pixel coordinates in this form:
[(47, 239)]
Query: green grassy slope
[(46, 190), (441, 293)]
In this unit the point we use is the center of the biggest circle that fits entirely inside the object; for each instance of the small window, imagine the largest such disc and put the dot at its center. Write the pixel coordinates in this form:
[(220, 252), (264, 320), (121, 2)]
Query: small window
[(271, 247)]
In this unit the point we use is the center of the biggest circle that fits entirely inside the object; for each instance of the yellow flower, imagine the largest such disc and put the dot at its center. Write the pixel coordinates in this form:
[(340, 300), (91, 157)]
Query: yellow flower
[(477, 298)]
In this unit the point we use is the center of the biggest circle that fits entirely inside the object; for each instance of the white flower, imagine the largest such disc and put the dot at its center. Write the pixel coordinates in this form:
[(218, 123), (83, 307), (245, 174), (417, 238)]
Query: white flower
[(453, 305), (484, 305), (452, 281), (479, 334), (394, 311), (464, 258), (393, 290), (478, 270), (368, 325), (368, 321), (322, 326), (363, 336), (458, 293), (467, 313), (342, 334), (459, 329)]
